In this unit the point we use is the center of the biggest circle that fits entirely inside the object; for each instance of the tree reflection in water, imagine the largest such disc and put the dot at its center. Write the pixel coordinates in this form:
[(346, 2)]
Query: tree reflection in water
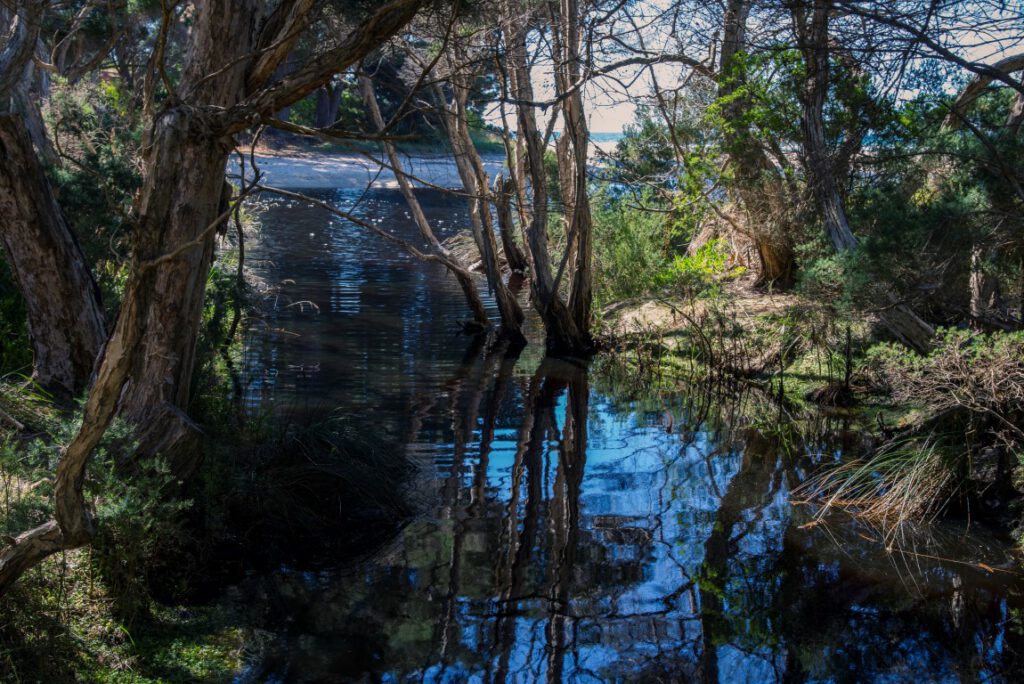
[(570, 539), (564, 533)]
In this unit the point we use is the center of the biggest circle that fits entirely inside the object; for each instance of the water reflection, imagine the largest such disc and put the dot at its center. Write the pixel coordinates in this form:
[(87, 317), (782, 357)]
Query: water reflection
[(571, 533)]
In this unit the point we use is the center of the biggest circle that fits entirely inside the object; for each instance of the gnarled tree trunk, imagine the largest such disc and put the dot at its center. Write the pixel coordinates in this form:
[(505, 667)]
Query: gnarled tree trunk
[(812, 33), (761, 191), (65, 319), (564, 336), (476, 184), (146, 364)]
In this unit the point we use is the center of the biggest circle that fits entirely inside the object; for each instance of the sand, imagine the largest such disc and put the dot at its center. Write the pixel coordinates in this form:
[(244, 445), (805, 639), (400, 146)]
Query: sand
[(300, 169)]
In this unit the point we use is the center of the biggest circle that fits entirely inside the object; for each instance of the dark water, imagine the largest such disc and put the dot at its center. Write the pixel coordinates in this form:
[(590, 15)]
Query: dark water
[(571, 527)]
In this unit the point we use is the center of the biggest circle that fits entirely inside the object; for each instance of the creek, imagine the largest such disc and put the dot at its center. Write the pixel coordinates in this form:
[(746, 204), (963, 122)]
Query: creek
[(568, 526)]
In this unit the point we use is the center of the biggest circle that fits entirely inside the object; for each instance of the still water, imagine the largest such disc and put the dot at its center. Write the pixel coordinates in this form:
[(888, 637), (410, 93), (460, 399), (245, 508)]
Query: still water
[(572, 527)]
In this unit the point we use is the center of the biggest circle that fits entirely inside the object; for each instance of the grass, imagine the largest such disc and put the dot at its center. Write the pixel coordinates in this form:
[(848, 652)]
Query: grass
[(903, 482), (57, 626)]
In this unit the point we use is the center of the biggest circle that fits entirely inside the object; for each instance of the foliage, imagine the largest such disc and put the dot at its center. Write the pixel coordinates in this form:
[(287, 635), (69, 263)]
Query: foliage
[(15, 352), (96, 137), (701, 272), (631, 249), (139, 520)]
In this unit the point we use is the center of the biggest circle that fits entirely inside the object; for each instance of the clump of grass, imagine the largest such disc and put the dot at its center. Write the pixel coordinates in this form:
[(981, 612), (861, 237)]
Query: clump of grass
[(903, 482)]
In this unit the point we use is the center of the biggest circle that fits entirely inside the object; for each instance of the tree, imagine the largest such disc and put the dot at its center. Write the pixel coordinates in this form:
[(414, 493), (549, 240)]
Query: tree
[(764, 195), (146, 365), (810, 22), (65, 318), (567, 331)]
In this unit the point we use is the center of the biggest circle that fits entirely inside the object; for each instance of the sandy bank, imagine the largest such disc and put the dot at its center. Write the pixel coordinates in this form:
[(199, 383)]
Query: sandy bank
[(301, 169), (297, 167)]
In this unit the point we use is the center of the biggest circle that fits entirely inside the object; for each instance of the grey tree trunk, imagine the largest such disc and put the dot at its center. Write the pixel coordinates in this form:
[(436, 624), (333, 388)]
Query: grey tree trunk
[(812, 33), (65, 318), (503, 191), (574, 168), (476, 184)]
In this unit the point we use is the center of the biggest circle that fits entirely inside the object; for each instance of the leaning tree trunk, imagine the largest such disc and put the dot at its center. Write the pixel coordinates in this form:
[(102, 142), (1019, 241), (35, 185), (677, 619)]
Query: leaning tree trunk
[(476, 184), (762, 193), (898, 318), (146, 364), (65, 319), (461, 273)]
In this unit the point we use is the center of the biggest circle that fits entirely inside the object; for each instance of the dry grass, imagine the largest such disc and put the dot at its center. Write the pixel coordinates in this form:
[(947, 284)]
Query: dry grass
[(969, 395), (900, 483)]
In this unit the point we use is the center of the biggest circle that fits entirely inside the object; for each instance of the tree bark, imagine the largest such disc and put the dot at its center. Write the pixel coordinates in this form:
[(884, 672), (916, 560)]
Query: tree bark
[(563, 335), (504, 189), (146, 365), (986, 301), (574, 170), (898, 318), (65, 319), (762, 193), (476, 184)]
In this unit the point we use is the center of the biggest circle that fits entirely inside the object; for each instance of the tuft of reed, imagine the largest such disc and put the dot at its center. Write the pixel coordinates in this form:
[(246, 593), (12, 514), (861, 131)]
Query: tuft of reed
[(902, 482)]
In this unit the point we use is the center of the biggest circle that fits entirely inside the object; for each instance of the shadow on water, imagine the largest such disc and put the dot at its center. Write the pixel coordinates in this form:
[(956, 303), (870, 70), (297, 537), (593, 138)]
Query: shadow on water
[(565, 531)]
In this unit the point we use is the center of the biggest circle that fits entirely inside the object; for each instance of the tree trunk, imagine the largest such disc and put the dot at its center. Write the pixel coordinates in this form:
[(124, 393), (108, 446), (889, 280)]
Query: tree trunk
[(146, 364), (899, 319), (328, 100), (577, 135), (476, 184), (504, 188), (563, 335), (65, 319), (986, 303), (461, 273), (762, 193)]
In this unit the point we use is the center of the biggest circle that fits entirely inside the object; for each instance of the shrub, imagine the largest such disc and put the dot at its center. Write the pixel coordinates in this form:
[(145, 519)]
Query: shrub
[(702, 271)]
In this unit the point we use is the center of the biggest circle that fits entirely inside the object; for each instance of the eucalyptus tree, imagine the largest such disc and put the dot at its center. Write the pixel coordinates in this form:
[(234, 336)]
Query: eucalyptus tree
[(65, 317), (225, 85)]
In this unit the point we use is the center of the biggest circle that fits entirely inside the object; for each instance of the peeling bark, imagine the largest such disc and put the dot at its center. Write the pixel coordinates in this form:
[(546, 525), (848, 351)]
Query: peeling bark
[(65, 319)]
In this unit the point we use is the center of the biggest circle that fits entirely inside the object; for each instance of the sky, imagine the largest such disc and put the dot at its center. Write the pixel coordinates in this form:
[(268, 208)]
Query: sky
[(611, 102)]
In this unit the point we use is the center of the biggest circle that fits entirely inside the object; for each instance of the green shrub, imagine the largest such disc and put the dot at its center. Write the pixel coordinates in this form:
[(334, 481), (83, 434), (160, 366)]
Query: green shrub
[(630, 249), (701, 272)]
